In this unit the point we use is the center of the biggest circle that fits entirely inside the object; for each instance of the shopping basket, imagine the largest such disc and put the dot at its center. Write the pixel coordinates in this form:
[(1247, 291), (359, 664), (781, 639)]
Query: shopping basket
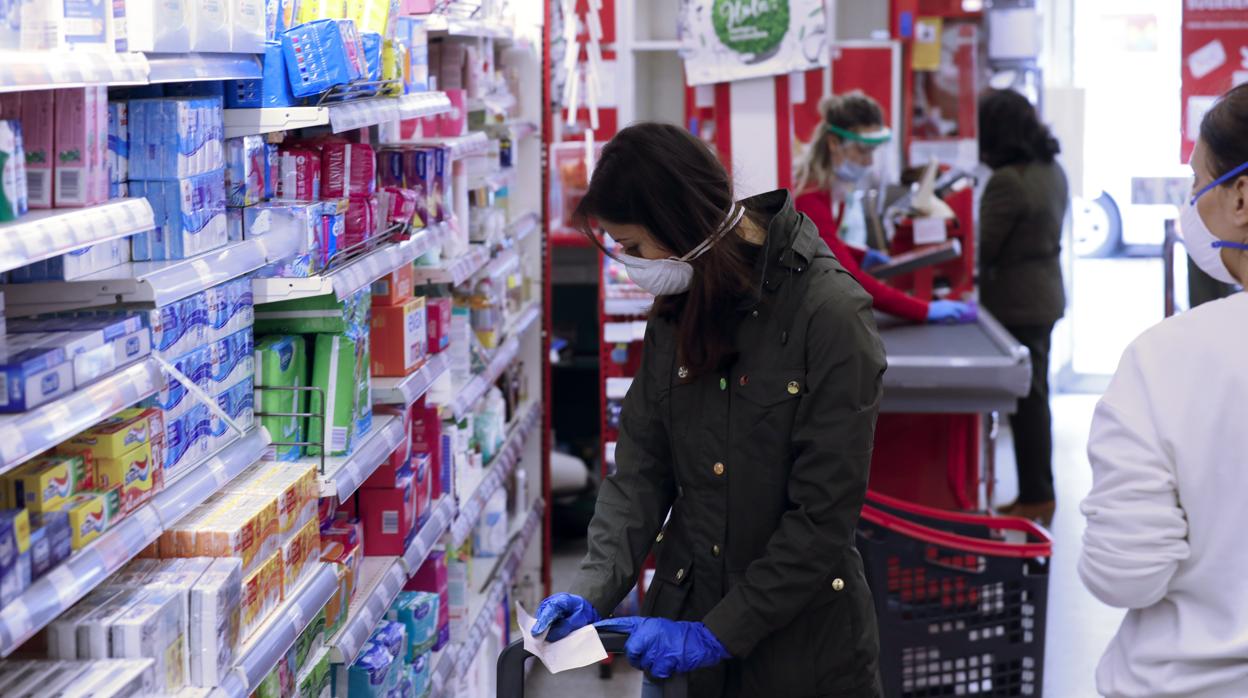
[(512, 660), (960, 599)]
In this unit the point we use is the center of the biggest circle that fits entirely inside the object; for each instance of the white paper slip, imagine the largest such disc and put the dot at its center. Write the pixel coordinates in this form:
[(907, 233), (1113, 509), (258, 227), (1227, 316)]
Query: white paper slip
[(579, 649)]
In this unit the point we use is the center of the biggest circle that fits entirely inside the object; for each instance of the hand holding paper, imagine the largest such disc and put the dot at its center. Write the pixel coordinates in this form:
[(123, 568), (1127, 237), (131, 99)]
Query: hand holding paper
[(580, 648)]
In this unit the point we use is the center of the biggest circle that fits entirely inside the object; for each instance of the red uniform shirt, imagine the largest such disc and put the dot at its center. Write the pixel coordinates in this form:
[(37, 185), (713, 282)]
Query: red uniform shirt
[(817, 205)]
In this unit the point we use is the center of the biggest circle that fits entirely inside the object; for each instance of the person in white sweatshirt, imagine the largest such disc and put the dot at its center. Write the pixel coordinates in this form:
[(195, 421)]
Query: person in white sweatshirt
[(1167, 534)]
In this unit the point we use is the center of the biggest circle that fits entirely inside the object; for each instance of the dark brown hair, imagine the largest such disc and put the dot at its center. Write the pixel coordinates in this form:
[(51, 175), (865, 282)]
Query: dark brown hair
[(663, 178), (1011, 133), (1225, 132)]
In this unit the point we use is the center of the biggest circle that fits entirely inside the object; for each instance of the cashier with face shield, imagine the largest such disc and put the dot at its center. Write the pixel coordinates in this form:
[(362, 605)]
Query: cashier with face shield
[(1165, 533)]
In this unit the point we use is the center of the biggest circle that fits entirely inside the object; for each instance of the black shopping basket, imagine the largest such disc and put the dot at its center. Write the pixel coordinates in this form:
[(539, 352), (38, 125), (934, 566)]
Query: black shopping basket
[(512, 660), (960, 598)]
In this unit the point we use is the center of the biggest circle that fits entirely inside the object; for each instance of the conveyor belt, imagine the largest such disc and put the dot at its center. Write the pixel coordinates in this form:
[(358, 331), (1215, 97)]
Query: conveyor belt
[(963, 369)]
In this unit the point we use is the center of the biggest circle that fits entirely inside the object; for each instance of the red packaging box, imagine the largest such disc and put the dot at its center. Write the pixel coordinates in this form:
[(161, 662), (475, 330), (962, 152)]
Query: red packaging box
[(426, 430), (438, 323), (422, 471), (389, 515), (390, 168), (298, 175), (394, 288), (347, 169), (386, 474), (398, 338), (398, 205), (454, 122), (432, 577), (361, 220)]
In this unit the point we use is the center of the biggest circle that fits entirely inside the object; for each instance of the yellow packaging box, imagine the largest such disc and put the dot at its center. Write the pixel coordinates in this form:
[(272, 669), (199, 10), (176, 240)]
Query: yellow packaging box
[(134, 471), (90, 515), (113, 438), (46, 483), (262, 592)]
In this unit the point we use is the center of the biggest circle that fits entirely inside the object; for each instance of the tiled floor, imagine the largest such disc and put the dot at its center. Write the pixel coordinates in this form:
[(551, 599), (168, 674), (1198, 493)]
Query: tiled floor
[(1078, 625)]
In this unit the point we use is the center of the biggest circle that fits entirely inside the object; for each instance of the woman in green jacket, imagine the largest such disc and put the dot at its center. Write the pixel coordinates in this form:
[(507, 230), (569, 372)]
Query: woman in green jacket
[(745, 440)]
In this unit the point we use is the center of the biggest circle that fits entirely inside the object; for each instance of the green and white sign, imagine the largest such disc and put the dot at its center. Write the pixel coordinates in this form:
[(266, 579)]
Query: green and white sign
[(727, 40)]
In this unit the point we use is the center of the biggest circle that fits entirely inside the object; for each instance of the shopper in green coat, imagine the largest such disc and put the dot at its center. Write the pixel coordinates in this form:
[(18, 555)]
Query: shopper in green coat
[(751, 421)]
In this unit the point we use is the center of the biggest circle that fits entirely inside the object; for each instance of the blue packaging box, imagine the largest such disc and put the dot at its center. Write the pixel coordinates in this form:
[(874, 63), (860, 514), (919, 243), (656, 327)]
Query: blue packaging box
[(190, 216), (31, 377), (230, 308), (271, 90), (232, 361), (244, 171), (15, 561), (320, 55), (118, 148), (187, 438), (418, 612), (368, 676), (49, 541), (239, 402), (175, 137), (372, 54)]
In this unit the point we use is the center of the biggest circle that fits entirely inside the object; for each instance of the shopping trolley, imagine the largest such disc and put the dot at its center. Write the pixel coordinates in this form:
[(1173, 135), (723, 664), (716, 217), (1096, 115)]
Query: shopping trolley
[(961, 599), (512, 660)]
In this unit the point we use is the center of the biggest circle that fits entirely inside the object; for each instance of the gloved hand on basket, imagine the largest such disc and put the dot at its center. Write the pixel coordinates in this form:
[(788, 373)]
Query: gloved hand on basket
[(563, 614), (874, 258), (663, 647), (951, 313)]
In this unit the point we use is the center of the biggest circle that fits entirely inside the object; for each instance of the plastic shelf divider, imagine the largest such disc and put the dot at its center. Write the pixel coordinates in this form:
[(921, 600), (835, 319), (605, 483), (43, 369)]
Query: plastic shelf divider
[(382, 578), (345, 474), (275, 638), (41, 235), (455, 271), (406, 390), (424, 540), (191, 67), (500, 469)]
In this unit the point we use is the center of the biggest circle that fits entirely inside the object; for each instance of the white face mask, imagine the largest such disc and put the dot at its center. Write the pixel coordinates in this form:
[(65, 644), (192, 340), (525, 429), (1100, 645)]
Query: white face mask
[(668, 277), (1203, 246)]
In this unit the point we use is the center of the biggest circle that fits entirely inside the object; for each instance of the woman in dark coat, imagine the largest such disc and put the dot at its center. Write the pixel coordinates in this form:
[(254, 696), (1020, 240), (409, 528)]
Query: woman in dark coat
[(751, 421), (1020, 243)]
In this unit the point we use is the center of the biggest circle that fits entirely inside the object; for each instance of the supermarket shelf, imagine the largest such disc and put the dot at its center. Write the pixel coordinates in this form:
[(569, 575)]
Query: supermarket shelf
[(155, 283), (379, 582), (424, 540), (40, 235), (355, 275), (455, 271), (467, 395), (498, 104), (524, 319), (40, 70), (273, 640), (494, 181), (501, 468), (26, 435), (188, 67), (344, 474), (55, 592), (421, 104), (524, 226), (475, 143), (345, 116), (456, 658), (406, 390), (452, 26), (658, 45), (628, 307)]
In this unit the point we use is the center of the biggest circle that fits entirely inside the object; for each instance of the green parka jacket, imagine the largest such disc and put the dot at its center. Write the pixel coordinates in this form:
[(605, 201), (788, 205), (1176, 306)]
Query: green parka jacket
[(764, 471)]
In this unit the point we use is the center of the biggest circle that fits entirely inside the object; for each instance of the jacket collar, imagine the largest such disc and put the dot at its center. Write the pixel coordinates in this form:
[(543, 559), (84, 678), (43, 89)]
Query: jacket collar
[(791, 245)]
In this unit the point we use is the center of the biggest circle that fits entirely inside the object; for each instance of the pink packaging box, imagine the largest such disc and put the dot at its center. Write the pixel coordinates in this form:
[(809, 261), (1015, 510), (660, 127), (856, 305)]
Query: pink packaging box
[(422, 474), (384, 476), (454, 122), (298, 175), (74, 141), (398, 205), (433, 578), (438, 323), (38, 135), (389, 515), (99, 163), (361, 221), (347, 169)]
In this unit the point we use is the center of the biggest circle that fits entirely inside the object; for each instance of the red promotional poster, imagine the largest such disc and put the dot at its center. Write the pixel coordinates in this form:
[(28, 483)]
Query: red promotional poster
[(1215, 59)]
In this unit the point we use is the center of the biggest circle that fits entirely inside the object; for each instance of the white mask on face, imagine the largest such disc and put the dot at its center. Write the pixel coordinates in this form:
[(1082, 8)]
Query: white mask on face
[(668, 277), (1203, 246)]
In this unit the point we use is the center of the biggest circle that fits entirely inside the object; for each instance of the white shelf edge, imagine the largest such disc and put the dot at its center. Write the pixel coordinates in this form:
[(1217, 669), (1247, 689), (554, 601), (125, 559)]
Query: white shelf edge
[(382, 578), (439, 521), (255, 122), (344, 474), (474, 143), (421, 104), (524, 319), (25, 435), (504, 463), (524, 225), (192, 67), (406, 390), (55, 592), (455, 271), (657, 45), (474, 389), (43, 234), (494, 181), (270, 643), (46, 70)]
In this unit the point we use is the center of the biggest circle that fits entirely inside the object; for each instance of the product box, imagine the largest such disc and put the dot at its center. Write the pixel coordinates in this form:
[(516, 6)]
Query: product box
[(50, 541), (433, 576), (118, 148), (339, 603), (15, 555), (422, 472), (298, 175), (372, 42), (316, 315), (398, 338), (187, 439), (296, 552), (322, 54), (154, 627), (303, 221), (90, 514), (228, 525), (397, 206), (294, 486), (369, 675), (490, 534), (394, 288), (239, 403), (121, 433), (232, 360), (211, 28), (160, 26), (389, 515), (247, 26), (454, 122), (175, 138), (281, 362), (418, 612), (271, 90), (426, 431), (135, 472), (215, 613), (46, 483), (334, 366), (13, 201), (347, 169), (74, 141), (38, 117), (244, 171), (438, 323)]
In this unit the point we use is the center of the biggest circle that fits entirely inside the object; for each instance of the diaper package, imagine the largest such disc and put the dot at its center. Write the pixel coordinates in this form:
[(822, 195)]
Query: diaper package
[(281, 361)]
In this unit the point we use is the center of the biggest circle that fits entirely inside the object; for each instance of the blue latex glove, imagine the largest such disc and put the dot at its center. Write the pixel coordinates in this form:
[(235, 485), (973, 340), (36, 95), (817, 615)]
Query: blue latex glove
[(663, 647), (563, 614), (873, 259), (951, 313)]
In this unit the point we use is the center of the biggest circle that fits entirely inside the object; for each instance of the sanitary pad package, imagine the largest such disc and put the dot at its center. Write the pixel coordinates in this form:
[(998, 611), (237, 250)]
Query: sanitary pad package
[(281, 361), (322, 54), (271, 90), (244, 171), (347, 169), (334, 363)]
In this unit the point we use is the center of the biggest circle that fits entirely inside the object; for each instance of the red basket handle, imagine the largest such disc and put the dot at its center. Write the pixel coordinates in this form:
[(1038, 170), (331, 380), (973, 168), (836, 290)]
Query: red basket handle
[(1009, 523), (952, 540)]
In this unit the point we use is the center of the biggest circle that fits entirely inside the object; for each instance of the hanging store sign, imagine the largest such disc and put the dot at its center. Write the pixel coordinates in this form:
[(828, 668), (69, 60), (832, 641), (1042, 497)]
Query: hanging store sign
[(727, 40), (1215, 59)]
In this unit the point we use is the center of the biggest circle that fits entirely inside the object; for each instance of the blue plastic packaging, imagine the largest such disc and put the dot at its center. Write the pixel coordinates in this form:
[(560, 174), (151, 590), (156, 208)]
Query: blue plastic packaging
[(271, 90), (321, 55), (372, 54)]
